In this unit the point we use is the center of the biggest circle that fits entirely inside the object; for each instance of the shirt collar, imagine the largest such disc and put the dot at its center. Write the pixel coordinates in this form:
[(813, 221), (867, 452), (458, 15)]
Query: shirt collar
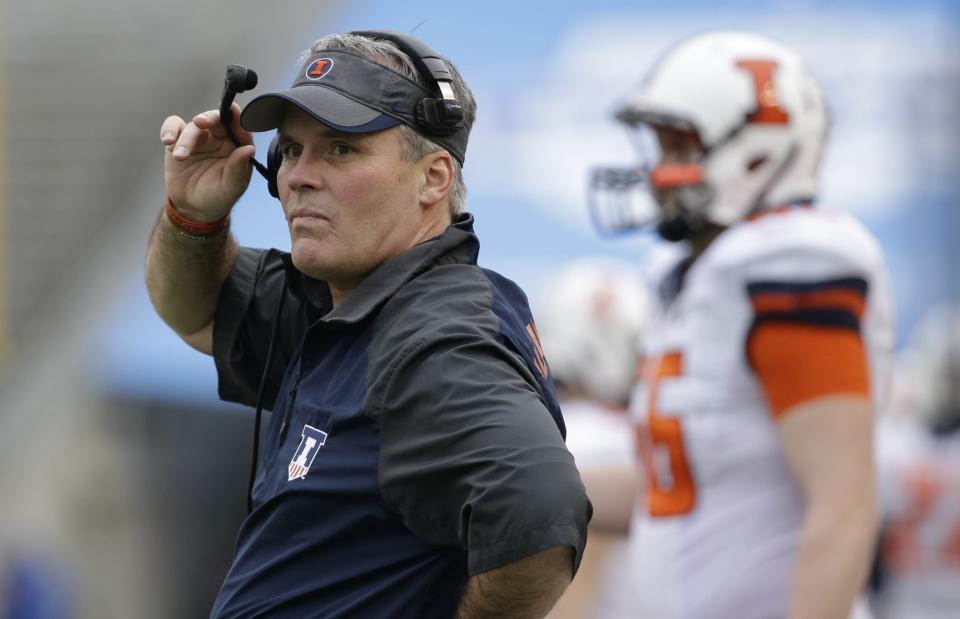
[(456, 245)]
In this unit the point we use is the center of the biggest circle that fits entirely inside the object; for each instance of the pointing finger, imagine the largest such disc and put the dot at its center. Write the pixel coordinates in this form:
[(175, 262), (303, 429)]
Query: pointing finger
[(170, 130)]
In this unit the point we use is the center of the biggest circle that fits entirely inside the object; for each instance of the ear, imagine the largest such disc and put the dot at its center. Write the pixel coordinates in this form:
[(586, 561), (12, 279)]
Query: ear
[(438, 174)]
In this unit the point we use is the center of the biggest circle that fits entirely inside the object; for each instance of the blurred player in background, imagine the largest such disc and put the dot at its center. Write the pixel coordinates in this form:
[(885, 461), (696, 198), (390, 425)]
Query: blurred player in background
[(591, 322), (919, 456), (767, 349)]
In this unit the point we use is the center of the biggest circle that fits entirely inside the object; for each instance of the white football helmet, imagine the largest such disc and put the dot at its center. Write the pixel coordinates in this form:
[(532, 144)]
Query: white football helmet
[(762, 121), (591, 319)]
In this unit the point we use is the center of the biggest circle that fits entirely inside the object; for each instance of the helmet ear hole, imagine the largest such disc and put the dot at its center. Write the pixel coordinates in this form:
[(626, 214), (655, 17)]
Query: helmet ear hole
[(756, 163)]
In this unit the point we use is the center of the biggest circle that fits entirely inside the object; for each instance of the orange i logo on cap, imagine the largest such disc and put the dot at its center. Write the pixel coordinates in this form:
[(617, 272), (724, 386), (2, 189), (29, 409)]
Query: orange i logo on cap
[(318, 68)]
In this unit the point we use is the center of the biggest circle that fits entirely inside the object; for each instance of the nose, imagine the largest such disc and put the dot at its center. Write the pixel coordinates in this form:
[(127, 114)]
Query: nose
[(301, 175)]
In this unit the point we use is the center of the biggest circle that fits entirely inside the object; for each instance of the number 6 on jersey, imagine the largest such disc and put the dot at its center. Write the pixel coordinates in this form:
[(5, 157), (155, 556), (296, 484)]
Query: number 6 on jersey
[(659, 440)]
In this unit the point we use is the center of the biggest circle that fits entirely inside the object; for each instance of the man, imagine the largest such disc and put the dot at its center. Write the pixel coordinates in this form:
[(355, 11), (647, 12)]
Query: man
[(414, 464), (767, 351), (592, 317)]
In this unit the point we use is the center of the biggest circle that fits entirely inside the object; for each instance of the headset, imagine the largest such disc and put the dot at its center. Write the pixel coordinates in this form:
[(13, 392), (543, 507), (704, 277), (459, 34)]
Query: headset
[(241, 79), (440, 115)]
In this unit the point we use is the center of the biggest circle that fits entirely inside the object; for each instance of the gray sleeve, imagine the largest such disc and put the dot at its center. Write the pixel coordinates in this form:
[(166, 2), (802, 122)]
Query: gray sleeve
[(471, 458), (242, 328)]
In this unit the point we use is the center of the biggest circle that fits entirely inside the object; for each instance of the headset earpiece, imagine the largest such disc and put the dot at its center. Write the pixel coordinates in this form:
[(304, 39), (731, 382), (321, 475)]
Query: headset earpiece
[(274, 161), (441, 115)]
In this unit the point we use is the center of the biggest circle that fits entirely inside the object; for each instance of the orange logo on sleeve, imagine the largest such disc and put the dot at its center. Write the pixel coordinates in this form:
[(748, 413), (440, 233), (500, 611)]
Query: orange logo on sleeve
[(539, 360)]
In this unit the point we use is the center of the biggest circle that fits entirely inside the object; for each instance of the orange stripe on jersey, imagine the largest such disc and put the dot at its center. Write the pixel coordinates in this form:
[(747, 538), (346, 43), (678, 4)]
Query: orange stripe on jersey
[(778, 210), (798, 362), (837, 298), (671, 364), (836, 302)]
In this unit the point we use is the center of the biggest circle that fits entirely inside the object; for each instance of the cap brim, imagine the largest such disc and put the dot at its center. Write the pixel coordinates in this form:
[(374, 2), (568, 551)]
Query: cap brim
[(266, 112)]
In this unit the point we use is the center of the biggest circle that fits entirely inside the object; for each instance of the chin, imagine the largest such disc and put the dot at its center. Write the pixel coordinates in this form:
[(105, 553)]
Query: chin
[(309, 260)]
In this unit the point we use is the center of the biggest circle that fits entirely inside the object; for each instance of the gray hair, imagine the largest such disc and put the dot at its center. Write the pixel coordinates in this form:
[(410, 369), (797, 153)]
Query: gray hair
[(415, 145)]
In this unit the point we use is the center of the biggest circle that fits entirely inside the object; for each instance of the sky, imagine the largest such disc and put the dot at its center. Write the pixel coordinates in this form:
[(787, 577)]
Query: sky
[(547, 78)]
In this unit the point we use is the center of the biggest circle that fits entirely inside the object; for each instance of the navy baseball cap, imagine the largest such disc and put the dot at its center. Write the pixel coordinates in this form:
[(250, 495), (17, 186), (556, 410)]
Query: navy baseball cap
[(348, 93)]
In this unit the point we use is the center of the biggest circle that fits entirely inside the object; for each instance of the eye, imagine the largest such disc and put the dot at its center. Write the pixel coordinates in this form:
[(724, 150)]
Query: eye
[(341, 148), (291, 150)]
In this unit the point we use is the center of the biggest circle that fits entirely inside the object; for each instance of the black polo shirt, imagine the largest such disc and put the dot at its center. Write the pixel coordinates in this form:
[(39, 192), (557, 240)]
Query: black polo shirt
[(415, 438)]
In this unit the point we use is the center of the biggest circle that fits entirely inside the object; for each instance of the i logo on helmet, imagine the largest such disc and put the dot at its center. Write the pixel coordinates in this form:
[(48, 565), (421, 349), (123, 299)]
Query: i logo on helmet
[(318, 68), (768, 110)]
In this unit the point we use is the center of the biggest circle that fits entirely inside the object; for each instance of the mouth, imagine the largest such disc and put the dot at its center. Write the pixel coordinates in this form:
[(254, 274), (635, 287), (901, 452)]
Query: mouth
[(305, 215)]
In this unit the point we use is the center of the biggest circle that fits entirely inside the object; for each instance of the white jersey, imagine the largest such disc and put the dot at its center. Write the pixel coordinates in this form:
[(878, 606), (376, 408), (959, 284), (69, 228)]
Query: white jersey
[(716, 535)]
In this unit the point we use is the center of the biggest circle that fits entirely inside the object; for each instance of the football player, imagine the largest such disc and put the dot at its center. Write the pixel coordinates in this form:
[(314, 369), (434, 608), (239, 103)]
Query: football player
[(768, 347), (591, 321)]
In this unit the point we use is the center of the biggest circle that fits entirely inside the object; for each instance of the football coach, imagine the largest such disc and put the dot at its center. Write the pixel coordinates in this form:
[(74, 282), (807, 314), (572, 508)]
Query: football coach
[(414, 462)]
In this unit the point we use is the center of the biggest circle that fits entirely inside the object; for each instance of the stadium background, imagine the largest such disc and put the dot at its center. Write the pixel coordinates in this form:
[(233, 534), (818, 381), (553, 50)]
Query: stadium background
[(122, 477)]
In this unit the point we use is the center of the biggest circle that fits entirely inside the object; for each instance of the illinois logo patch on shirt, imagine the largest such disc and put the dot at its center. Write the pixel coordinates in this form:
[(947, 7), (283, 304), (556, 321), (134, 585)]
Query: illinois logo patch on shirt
[(311, 441)]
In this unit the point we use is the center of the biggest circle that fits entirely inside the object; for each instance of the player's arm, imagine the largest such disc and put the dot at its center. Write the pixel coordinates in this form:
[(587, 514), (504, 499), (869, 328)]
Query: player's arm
[(204, 175), (527, 588), (807, 351), (829, 449), (613, 490)]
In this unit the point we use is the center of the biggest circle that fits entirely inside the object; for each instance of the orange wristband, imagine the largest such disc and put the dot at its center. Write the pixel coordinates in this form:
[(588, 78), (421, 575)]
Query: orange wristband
[(197, 230)]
